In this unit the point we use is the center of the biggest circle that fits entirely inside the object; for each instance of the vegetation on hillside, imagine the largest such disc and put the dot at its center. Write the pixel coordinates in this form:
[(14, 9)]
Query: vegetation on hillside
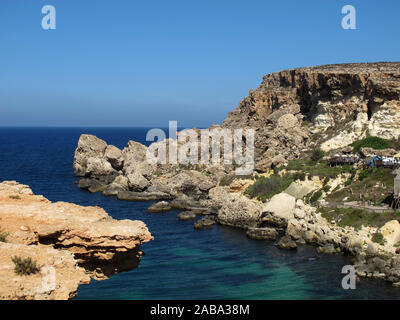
[(264, 188), (374, 184), (228, 179), (356, 218), (317, 154), (321, 169), (371, 142)]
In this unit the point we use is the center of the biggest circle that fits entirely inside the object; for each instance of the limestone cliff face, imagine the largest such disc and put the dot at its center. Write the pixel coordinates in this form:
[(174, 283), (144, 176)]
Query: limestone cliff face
[(347, 99), (70, 243)]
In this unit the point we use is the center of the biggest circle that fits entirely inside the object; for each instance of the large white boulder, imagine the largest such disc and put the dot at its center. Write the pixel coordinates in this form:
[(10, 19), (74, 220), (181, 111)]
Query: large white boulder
[(281, 205), (391, 231)]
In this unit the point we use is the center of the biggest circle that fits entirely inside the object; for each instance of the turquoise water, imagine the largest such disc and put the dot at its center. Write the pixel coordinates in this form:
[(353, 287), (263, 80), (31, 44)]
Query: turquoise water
[(181, 263)]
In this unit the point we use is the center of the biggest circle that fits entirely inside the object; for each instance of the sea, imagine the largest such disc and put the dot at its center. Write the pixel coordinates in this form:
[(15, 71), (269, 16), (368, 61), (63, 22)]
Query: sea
[(181, 262)]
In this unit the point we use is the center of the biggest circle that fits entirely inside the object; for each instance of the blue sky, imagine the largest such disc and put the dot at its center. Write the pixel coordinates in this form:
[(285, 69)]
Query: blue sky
[(127, 63)]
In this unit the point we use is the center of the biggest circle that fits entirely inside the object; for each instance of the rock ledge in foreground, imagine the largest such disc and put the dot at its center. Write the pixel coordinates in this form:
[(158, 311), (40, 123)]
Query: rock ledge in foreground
[(70, 244)]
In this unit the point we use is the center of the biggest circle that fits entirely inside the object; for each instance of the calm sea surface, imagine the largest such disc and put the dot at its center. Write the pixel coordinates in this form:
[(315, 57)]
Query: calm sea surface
[(181, 263)]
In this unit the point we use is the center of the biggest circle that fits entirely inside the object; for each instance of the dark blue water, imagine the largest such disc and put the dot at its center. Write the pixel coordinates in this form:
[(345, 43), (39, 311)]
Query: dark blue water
[(181, 263)]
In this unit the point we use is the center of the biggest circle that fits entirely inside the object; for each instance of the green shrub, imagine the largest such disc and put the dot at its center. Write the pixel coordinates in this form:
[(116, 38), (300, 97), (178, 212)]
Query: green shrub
[(15, 197), (3, 235), (364, 174), (348, 182), (379, 238), (299, 176), (321, 169), (24, 266), (264, 188), (326, 188), (371, 142), (229, 178), (316, 196), (317, 154)]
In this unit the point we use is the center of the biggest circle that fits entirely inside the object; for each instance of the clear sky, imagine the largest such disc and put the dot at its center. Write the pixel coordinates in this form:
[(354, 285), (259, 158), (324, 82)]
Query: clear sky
[(125, 63)]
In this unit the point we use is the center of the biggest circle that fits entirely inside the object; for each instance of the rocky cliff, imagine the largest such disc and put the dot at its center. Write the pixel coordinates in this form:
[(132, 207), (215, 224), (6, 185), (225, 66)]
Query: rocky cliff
[(331, 106), (293, 112), (69, 243)]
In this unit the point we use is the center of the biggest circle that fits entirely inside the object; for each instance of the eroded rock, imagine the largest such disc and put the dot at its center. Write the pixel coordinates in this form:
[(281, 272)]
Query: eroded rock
[(72, 235)]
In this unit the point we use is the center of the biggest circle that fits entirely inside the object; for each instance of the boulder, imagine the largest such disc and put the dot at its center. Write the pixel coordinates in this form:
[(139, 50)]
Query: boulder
[(391, 232), (89, 146), (204, 223), (262, 233), (137, 182), (299, 189), (286, 242), (327, 249), (96, 167), (281, 205), (115, 157), (161, 206), (190, 183), (84, 183), (299, 213), (187, 215), (235, 209), (134, 157), (119, 184), (96, 186), (183, 202)]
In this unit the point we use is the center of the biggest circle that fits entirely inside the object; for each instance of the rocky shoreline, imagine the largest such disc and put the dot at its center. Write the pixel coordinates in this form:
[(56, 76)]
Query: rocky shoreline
[(293, 112), (69, 244), (283, 219)]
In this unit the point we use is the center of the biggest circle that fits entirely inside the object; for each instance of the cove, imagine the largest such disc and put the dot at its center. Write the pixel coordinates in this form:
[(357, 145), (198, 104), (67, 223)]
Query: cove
[(180, 263)]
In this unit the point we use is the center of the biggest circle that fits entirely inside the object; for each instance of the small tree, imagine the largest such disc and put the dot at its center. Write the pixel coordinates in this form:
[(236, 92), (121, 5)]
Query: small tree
[(317, 154)]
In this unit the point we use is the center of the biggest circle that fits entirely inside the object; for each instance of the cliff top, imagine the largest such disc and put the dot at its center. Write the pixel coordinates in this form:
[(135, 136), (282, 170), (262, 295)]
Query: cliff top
[(367, 67)]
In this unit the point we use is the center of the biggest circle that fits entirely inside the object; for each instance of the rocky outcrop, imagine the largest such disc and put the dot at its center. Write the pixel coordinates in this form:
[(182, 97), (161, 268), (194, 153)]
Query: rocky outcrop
[(370, 259), (286, 242), (347, 99), (299, 189), (235, 209), (58, 278), (293, 112), (382, 153), (69, 240), (281, 205)]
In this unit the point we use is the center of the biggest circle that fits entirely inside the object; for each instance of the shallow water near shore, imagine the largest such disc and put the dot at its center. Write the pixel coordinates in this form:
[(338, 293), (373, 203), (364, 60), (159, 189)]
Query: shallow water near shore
[(181, 263)]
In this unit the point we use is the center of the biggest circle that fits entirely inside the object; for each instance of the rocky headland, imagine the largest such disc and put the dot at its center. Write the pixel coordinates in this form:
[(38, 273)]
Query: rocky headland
[(68, 244), (301, 117)]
